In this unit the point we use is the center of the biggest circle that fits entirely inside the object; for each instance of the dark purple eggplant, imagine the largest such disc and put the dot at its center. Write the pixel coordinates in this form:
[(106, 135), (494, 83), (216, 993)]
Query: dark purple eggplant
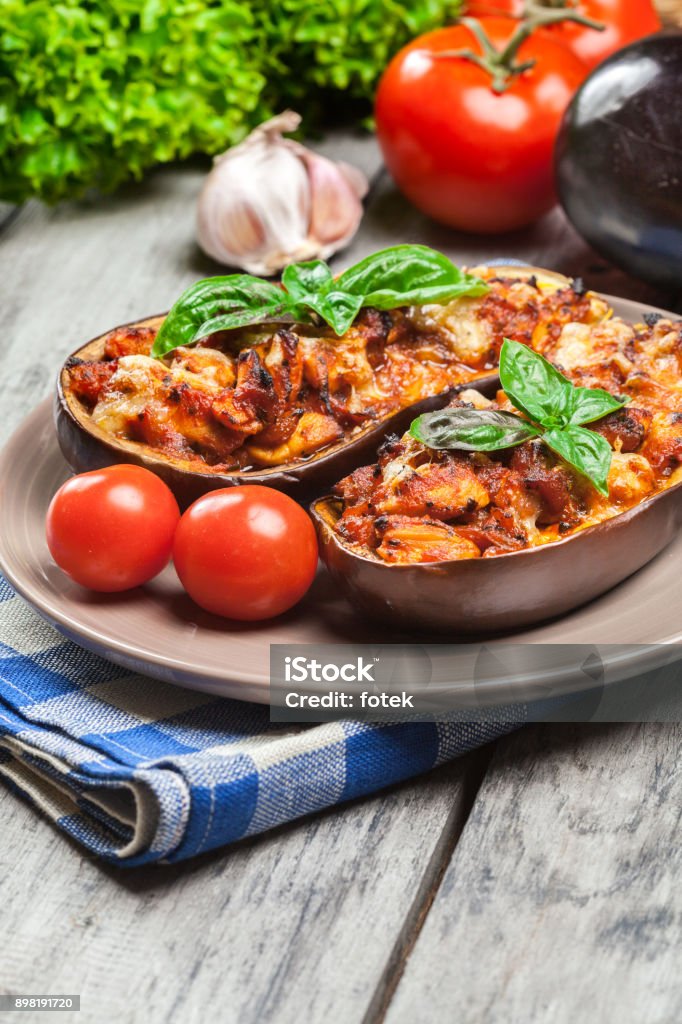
[(619, 159)]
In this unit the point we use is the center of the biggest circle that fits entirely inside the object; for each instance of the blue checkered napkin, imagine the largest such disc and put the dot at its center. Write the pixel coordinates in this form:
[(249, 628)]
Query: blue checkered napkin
[(137, 770)]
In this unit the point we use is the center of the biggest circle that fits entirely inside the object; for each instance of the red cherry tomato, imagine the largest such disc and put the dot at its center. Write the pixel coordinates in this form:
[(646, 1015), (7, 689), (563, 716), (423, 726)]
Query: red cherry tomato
[(625, 21), (466, 155), (245, 552), (112, 529)]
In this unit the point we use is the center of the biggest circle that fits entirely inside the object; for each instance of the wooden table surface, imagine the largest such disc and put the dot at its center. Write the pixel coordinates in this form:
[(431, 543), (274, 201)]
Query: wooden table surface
[(538, 879)]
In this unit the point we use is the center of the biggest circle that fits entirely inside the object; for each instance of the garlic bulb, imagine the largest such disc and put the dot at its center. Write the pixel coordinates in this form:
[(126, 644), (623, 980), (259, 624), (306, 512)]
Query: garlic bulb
[(270, 201)]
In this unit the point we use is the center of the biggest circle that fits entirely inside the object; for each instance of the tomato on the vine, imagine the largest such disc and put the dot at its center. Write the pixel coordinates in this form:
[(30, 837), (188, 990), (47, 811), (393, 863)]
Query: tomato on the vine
[(472, 146), (624, 22), (245, 552), (112, 529)]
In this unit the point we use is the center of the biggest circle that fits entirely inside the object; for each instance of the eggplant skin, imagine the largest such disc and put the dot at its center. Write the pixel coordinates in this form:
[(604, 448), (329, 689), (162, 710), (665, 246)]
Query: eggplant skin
[(85, 447), (508, 592), (619, 160)]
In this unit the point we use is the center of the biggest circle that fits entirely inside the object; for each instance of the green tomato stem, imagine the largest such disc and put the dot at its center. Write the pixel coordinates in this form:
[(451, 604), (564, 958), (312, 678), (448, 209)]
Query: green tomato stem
[(502, 65), (541, 17)]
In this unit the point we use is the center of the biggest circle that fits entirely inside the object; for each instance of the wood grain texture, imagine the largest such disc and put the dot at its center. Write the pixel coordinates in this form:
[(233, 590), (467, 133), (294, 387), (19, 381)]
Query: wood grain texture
[(562, 900), (297, 925)]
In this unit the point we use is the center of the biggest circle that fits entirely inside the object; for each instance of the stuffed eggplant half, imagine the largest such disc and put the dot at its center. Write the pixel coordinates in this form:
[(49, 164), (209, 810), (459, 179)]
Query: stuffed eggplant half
[(286, 395), (494, 515)]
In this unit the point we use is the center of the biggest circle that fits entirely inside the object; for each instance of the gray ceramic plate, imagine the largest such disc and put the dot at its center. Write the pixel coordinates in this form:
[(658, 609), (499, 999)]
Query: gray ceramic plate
[(158, 631)]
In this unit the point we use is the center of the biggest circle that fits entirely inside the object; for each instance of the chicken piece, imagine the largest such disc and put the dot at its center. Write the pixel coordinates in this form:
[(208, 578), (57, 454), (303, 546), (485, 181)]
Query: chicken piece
[(246, 408), (337, 368), (284, 363), (392, 448), (659, 349), (344, 370), (581, 345), (129, 341), (525, 311), (624, 429), (519, 505), (189, 412), (631, 478), (357, 529), (145, 401), (609, 374), (314, 431), (554, 484), (382, 327), (404, 539), (215, 368), (494, 532), (378, 325), (646, 390), (88, 380), (468, 335), (663, 444), (441, 491), (137, 382), (359, 486)]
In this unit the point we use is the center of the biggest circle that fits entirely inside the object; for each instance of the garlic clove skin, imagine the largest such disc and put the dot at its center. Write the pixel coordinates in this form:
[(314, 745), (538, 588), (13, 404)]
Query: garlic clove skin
[(270, 201), (337, 191)]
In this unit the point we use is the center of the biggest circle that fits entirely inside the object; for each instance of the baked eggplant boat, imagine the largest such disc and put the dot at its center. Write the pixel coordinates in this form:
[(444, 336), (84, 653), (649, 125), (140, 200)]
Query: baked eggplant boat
[(285, 399), (483, 519)]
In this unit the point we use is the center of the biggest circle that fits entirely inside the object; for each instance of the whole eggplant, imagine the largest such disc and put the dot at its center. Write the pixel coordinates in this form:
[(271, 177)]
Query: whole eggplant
[(619, 159)]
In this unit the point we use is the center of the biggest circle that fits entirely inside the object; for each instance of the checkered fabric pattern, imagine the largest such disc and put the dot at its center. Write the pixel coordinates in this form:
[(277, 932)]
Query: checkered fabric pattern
[(137, 770)]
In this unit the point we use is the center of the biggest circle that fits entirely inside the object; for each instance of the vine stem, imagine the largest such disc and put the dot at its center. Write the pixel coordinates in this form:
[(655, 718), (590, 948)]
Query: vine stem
[(502, 65)]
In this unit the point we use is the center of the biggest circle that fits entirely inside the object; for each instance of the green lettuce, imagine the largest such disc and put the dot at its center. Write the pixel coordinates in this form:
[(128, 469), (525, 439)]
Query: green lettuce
[(94, 92)]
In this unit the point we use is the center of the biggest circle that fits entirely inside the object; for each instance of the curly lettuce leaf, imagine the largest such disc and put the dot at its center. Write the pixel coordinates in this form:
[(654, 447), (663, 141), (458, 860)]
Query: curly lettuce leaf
[(95, 92)]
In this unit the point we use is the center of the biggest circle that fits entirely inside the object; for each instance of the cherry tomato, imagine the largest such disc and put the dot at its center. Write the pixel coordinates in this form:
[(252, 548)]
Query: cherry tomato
[(468, 156), (625, 21), (245, 552), (112, 529)]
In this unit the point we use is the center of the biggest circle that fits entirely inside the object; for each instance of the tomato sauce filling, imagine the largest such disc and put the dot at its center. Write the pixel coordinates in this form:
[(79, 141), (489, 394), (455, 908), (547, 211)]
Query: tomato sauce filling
[(241, 401), (419, 505)]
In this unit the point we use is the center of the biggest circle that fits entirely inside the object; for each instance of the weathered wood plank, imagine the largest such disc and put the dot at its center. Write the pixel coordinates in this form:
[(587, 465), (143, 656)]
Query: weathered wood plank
[(562, 900), (75, 270), (7, 213), (295, 925)]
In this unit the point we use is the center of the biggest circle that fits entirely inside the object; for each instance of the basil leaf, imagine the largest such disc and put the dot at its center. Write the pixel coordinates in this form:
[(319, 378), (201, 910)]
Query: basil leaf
[(472, 430), (586, 451), (240, 318), (590, 404), (400, 276), (304, 279), (534, 385), (217, 304), (338, 309), (406, 275)]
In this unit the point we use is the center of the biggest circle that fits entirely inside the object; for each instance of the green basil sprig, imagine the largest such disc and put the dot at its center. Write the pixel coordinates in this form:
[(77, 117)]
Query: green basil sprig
[(403, 275), (556, 412)]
